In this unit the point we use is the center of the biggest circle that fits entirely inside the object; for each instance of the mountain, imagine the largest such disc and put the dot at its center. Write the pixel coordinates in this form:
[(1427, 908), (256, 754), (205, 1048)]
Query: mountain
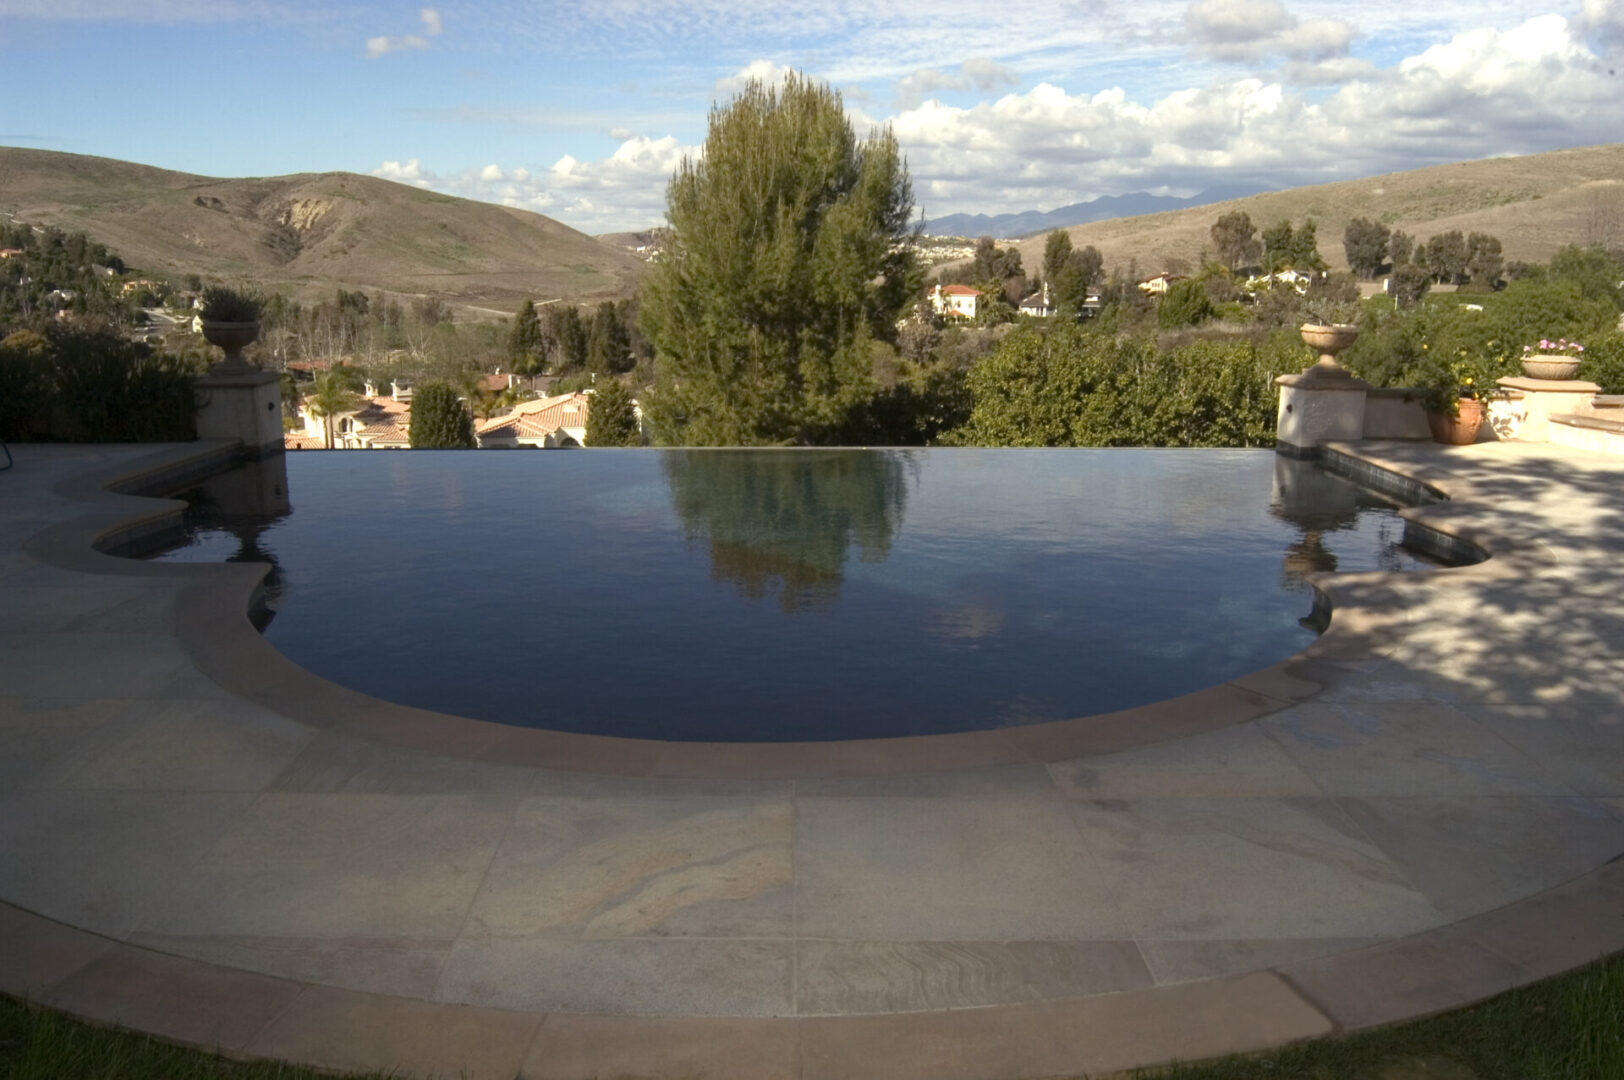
[(311, 233), (1031, 222), (1534, 204)]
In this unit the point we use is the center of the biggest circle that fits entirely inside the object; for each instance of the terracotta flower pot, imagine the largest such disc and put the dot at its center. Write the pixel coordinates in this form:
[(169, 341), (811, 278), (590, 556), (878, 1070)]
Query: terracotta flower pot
[(1458, 430)]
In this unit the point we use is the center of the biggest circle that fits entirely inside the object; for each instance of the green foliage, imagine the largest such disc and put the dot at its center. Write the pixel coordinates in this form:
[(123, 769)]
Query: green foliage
[(612, 418), (1234, 238), (1400, 248), (1186, 304), (1056, 252), (1285, 248), (1409, 283), (1069, 290), (223, 304), (924, 404), (609, 346), (92, 385), (1075, 387), (525, 339), (1603, 362), (440, 421), (1365, 244), (1445, 256), (1597, 274), (64, 264), (1484, 259), (1449, 351), (789, 252)]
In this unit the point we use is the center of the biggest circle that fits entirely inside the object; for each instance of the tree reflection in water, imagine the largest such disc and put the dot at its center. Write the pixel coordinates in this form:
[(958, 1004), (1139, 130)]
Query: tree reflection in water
[(785, 521)]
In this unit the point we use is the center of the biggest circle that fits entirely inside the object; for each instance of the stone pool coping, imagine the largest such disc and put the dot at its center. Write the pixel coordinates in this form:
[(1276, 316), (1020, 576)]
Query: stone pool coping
[(252, 1014)]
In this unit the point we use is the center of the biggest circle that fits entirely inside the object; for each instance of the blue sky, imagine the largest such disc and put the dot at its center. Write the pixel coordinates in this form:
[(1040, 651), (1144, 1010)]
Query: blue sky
[(581, 108)]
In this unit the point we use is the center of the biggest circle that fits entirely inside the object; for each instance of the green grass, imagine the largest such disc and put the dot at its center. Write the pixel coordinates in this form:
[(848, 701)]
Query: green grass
[(1567, 1028)]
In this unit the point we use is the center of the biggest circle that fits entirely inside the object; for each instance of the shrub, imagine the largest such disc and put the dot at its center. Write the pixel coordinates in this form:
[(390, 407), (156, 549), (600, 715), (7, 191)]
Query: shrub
[(222, 304), (1603, 362), (91, 385), (1186, 304), (1076, 388), (440, 421)]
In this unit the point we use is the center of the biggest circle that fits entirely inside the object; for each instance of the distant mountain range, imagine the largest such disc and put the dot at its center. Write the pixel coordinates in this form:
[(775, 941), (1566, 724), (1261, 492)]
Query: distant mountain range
[(1104, 208)]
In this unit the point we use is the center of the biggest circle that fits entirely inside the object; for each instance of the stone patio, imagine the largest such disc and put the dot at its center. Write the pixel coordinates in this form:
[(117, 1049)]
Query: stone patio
[(200, 840)]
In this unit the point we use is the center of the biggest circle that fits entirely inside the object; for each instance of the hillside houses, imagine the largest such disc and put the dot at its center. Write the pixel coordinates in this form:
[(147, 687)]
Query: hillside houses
[(384, 423), (546, 423)]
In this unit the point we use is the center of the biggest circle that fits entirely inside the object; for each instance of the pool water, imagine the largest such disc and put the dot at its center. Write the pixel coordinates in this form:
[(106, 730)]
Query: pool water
[(794, 595)]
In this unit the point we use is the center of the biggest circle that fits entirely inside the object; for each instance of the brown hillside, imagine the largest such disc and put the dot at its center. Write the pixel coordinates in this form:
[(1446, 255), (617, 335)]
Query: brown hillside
[(310, 233), (1534, 204)]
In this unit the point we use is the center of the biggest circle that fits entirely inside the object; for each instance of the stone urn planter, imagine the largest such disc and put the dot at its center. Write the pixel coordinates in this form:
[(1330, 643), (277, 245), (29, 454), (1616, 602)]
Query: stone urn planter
[(1328, 339), (233, 338), (1550, 366), (1460, 429)]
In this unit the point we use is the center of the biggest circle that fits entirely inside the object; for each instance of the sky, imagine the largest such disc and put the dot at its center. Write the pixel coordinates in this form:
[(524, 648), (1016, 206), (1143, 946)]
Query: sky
[(581, 109)]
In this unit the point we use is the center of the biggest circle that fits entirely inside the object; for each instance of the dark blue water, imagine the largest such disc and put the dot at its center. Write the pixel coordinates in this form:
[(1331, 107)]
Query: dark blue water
[(786, 595)]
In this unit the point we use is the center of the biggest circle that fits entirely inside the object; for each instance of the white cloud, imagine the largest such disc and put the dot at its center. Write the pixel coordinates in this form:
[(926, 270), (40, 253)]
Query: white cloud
[(1524, 89), (623, 191), (1603, 21), (1485, 92), (1251, 30), (979, 74), (762, 71), (385, 44)]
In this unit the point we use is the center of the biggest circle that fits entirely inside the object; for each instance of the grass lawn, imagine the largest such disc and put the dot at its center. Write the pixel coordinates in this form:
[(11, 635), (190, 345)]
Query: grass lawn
[(1567, 1028)]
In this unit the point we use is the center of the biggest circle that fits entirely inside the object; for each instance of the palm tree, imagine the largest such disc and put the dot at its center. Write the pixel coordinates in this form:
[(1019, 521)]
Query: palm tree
[(335, 393)]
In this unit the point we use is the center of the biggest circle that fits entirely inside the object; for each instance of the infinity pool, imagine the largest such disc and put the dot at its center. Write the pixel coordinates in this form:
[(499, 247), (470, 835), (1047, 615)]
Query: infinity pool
[(792, 595)]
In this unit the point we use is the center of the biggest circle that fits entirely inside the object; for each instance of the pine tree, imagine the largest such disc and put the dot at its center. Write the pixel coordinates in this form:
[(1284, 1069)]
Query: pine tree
[(440, 421), (612, 418), (525, 339), (789, 252)]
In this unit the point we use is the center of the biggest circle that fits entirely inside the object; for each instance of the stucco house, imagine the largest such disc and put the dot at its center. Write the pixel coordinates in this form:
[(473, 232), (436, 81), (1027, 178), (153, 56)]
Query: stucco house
[(547, 423), (958, 301)]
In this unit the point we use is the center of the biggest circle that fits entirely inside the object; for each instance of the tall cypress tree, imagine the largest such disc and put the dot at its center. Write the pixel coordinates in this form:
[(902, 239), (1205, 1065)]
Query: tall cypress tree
[(789, 253), (440, 421), (524, 338), (612, 418)]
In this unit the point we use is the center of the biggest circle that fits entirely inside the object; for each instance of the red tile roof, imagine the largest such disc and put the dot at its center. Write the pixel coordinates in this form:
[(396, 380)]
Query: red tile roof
[(960, 290), (538, 419)]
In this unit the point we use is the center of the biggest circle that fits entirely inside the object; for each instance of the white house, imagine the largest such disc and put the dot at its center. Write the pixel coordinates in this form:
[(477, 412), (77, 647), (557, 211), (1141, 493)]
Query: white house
[(955, 300), (1037, 305)]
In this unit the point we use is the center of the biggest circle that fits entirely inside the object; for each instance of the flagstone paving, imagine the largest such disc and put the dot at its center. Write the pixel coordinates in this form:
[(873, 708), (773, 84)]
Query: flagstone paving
[(199, 840)]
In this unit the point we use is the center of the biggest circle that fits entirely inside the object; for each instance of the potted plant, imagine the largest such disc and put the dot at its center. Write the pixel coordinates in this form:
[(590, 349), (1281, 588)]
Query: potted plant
[(230, 322), (1557, 359), (1453, 393)]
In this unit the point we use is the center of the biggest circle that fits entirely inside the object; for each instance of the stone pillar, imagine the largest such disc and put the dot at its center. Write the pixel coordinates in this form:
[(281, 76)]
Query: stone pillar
[(235, 399), (1324, 402), (1532, 402), (246, 406)]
